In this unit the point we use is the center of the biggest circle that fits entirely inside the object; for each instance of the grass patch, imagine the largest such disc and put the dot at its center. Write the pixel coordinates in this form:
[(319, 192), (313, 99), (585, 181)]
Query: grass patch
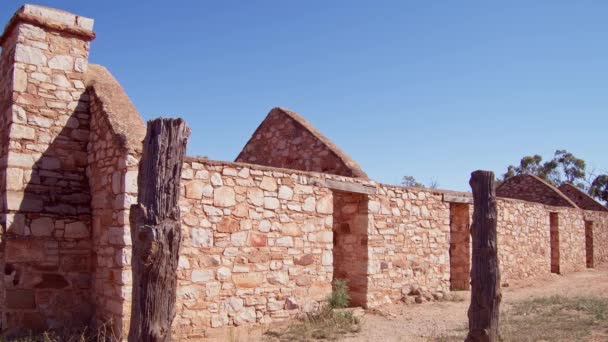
[(555, 318), (328, 324)]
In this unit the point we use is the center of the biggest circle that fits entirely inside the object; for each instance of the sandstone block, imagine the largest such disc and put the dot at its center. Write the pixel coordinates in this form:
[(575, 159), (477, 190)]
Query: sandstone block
[(19, 115), (19, 80), (305, 260), (325, 205), (286, 241), (271, 203), (42, 226), (309, 204), (224, 197), (257, 239), (238, 239), (255, 196), (14, 179), (194, 190), (29, 55), (15, 224), (24, 250), (76, 230), (202, 237), (120, 236), (20, 201), (202, 276), (248, 280), (285, 192), (60, 62), (228, 225), (223, 273), (290, 229), (268, 184), (22, 132)]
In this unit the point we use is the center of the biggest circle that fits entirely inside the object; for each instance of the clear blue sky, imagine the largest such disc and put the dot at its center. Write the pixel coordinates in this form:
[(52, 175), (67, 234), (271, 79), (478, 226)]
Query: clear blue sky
[(428, 89)]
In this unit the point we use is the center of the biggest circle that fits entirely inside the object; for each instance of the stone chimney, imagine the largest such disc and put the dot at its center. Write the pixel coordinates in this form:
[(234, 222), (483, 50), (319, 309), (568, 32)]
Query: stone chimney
[(45, 250)]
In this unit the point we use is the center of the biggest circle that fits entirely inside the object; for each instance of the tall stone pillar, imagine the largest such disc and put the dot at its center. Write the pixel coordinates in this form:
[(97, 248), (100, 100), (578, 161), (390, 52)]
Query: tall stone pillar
[(46, 250)]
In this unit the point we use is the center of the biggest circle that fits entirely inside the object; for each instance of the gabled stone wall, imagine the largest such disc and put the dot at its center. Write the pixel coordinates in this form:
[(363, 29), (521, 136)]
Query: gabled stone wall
[(286, 140)]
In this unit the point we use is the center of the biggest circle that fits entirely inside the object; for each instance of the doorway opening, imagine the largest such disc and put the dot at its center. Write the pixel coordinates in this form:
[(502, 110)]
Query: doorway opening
[(460, 247), (554, 241), (589, 243), (350, 243)]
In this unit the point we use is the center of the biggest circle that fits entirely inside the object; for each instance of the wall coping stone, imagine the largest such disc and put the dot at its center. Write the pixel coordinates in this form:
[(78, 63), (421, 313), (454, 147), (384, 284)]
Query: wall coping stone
[(51, 19)]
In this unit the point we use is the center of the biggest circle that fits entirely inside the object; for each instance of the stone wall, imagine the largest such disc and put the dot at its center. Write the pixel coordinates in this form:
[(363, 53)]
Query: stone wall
[(46, 235), (257, 245), (409, 242), (600, 235), (287, 140)]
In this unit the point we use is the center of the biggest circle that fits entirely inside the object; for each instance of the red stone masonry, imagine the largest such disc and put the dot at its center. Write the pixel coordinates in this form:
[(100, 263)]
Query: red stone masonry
[(533, 189), (581, 199), (286, 140)]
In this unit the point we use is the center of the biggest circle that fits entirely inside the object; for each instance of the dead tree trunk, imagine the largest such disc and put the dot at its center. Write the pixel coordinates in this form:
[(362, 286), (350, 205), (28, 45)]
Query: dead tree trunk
[(156, 230), (485, 275)]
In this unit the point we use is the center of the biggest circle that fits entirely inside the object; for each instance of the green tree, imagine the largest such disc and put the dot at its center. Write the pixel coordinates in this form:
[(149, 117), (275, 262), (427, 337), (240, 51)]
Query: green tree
[(410, 181), (599, 188), (564, 167)]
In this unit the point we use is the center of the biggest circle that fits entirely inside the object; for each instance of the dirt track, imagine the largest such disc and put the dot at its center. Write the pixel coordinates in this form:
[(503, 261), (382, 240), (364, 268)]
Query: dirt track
[(430, 321)]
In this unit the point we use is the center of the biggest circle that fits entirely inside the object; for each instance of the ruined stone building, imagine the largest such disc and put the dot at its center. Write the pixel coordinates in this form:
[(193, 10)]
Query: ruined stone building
[(263, 236)]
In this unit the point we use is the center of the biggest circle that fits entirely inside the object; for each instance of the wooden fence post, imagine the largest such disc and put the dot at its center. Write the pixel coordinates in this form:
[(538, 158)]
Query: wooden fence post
[(485, 274), (156, 230)]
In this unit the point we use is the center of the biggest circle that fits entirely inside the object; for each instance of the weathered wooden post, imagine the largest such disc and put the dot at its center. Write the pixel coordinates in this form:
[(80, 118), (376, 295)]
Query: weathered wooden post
[(156, 230), (485, 275)]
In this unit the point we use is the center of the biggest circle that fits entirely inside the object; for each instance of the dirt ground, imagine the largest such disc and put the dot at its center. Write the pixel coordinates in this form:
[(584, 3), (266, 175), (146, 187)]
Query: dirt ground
[(433, 320)]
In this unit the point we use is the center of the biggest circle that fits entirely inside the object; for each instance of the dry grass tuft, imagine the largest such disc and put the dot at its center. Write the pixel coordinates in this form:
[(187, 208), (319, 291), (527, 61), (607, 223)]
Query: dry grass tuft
[(104, 332), (324, 325)]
